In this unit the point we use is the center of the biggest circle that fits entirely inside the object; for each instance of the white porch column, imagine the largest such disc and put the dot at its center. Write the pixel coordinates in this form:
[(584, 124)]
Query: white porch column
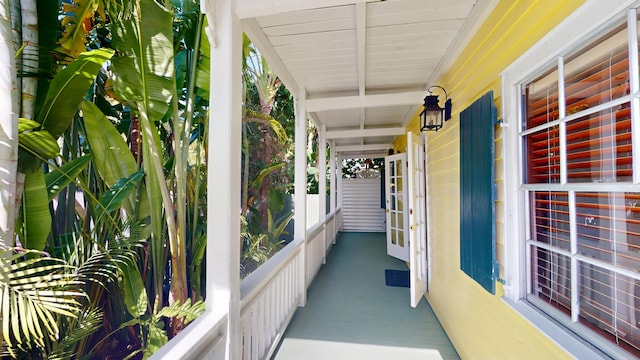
[(225, 141), (339, 182), (300, 184), (332, 176), (322, 172)]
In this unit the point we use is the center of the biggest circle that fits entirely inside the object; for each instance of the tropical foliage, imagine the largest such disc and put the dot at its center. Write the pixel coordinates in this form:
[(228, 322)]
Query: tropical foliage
[(268, 127), (108, 260), (108, 257)]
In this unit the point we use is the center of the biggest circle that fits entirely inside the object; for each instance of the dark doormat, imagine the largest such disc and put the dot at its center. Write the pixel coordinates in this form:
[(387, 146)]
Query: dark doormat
[(396, 278)]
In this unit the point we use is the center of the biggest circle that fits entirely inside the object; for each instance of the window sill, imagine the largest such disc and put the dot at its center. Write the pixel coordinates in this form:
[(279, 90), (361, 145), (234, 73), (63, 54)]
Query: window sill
[(568, 341)]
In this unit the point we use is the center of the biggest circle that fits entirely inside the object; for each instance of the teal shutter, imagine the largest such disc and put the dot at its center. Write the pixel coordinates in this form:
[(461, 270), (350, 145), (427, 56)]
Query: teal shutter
[(477, 209)]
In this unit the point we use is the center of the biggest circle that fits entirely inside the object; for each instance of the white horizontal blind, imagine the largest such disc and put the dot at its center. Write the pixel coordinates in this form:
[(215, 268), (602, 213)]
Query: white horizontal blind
[(361, 209), (584, 233)]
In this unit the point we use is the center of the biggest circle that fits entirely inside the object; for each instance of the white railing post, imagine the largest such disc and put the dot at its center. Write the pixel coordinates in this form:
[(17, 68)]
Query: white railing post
[(332, 177), (322, 172), (223, 203), (300, 185), (339, 182), (322, 184)]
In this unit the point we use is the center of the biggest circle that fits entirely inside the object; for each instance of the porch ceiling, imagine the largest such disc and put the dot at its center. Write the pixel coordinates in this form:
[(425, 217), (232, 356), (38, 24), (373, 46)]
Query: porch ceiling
[(364, 64)]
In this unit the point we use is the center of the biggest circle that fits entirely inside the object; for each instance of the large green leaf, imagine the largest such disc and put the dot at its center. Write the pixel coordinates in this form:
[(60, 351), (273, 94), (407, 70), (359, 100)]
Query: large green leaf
[(144, 69), (264, 172), (143, 76), (39, 143), (204, 63), (74, 36), (68, 89), (156, 339), (60, 177), (36, 215), (135, 295), (122, 190), (113, 159)]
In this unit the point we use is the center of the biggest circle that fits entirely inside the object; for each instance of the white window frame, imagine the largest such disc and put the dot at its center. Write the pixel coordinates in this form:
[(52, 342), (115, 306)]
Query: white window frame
[(583, 23)]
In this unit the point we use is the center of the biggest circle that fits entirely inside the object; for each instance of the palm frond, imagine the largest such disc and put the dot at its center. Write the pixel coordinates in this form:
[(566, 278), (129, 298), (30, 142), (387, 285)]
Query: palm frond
[(185, 311), (87, 322), (34, 293)]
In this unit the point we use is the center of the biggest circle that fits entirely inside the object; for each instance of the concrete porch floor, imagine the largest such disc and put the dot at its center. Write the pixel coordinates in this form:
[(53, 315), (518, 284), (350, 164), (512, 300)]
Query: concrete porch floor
[(352, 314)]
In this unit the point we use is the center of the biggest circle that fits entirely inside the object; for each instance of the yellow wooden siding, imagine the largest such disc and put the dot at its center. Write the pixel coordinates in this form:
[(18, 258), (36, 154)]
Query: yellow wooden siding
[(480, 325)]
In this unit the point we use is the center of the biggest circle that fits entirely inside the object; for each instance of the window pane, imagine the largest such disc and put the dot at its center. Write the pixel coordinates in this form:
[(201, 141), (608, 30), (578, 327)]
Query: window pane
[(599, 146), (551, 278), (608, 228), (609, 304), (543, 156), (598, 74), (542, 99), (599, 233), (550, 218)]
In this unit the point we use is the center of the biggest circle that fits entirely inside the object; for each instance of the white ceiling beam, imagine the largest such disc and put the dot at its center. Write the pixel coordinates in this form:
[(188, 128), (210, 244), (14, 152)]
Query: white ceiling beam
[(346, 134), (368, 147), (366, 101), (254, 8), (260, 40), (361, 37)]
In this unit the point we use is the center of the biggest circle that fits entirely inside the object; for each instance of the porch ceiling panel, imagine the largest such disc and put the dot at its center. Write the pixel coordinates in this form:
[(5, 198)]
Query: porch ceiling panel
[(351, 49), (340, 119)]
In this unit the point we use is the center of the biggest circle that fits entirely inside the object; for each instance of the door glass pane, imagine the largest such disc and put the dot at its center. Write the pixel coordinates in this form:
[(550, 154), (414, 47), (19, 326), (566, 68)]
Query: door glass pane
[(392, 168), (393, 219), (393, 202), (400, 203), (400, 221), (394, 241), (399, 184), (401, 237)]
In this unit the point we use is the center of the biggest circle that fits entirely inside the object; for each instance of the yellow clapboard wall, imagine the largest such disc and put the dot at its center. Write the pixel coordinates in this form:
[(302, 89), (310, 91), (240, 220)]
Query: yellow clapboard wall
[(479, 324)]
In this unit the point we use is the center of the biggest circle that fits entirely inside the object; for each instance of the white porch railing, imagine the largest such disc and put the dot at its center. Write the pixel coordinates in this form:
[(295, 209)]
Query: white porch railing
[(313, 209), (271, 294), (269, 298)]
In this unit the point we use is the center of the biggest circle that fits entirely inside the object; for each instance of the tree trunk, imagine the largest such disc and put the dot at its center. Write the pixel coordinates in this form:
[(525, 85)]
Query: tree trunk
[(9, 108), (30, 64)]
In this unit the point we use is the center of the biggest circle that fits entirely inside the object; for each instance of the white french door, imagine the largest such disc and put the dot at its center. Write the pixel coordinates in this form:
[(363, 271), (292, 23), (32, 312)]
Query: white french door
[(396, 214), (417, 217)]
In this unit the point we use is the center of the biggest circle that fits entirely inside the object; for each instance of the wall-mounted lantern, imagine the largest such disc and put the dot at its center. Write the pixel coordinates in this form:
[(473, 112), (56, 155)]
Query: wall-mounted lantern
[(433, 116)]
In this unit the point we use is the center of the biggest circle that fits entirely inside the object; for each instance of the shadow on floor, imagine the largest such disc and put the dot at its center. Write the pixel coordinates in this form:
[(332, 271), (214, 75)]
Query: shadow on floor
[(350, 311)]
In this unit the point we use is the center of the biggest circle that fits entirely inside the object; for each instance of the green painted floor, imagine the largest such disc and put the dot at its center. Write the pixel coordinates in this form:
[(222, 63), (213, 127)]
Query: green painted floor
[(352, 314)]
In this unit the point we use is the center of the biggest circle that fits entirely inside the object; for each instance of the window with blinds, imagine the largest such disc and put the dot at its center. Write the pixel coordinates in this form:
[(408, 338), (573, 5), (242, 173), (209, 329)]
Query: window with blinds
[(583, 240)]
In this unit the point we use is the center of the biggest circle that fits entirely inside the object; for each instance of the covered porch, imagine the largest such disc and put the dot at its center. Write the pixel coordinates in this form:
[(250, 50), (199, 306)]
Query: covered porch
[(356, 70), (350, 310)]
